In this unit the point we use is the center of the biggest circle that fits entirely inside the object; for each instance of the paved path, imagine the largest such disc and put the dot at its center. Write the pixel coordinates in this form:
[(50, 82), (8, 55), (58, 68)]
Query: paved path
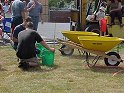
[(49, 31)]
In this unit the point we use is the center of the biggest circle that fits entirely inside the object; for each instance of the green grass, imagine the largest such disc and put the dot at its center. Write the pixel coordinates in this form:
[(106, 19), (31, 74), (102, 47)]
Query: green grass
[(69, 75)]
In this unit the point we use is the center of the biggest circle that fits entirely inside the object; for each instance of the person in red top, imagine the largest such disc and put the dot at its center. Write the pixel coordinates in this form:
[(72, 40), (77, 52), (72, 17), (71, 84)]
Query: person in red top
[(103, 26)]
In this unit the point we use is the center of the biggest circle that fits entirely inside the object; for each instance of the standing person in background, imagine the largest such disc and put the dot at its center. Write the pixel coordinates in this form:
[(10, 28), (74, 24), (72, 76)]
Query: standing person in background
[(115, 11), (7, 9), (7, 16), (100, 16), (18, 13), (101, 13), (25, 5), (35, 12)]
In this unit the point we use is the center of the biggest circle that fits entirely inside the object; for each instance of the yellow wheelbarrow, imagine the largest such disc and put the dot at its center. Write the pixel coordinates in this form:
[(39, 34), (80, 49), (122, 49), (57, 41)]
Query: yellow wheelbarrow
[(97, 45), (73, 36)]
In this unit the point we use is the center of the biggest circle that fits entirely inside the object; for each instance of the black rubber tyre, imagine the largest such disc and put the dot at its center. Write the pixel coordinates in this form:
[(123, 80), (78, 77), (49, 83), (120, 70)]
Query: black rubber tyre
[(67, 52), (110, 62), (93, 28)]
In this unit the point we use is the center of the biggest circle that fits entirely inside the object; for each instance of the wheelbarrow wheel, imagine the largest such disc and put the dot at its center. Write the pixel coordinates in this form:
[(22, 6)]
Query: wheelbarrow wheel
[(65, 50), (110, 62)]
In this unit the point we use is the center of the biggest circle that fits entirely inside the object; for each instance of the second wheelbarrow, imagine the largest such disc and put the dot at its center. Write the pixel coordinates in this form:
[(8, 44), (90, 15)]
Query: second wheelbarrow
[(73, 36), (99, 46)]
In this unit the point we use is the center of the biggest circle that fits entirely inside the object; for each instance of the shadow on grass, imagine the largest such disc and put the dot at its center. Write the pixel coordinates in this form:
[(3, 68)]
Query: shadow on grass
[(42, 68), (107, 69), (90, 57), (75, 57)]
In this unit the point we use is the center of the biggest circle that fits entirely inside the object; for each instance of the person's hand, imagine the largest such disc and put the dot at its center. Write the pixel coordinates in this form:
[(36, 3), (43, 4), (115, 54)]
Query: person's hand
[(33, 5), (52, 49), (111, 11), (40, 18), (91, 19)]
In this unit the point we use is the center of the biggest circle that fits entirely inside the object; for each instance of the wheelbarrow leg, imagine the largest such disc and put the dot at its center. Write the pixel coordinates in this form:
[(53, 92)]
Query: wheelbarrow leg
[(93, 62), (87, 59), (84, 52), (79, 51), (96, 58)]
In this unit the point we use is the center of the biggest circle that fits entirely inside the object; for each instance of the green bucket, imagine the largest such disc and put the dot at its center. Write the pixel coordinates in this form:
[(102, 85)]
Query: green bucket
[(39, 47), (46, 55), (47, 58)]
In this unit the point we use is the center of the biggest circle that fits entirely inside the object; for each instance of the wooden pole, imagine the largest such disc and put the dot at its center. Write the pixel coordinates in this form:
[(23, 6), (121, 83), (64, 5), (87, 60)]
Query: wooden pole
[(83, 6)]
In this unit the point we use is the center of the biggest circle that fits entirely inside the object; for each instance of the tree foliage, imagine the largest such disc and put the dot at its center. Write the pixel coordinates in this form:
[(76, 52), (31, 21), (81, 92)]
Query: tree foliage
[(58, 3), (62, 3)]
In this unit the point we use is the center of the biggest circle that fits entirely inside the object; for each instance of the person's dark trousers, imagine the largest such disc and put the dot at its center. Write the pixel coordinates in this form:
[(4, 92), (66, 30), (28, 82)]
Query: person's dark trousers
[(35, 20), (14, 45), (117, 14), (16, 21)]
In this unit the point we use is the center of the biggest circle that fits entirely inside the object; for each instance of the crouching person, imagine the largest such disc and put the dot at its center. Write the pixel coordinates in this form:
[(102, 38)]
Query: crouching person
[(26, 50)]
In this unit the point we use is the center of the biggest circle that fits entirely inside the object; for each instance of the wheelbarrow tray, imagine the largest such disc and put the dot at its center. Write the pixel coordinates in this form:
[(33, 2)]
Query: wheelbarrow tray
[(99, 43), (73, 35), (79, 46)]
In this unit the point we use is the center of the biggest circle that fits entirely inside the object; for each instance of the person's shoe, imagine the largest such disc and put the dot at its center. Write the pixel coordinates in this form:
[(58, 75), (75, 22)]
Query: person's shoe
[(20, 64), (121, 25), (110, 25), (24, 65)]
